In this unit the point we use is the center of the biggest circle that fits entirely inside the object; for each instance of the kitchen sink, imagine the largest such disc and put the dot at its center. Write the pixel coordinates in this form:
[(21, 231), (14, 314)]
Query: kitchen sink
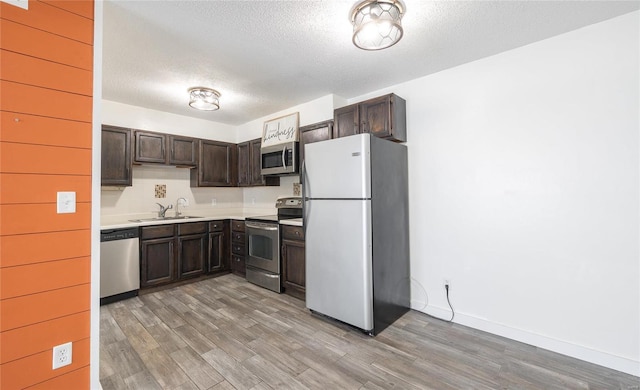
[(164, 218)]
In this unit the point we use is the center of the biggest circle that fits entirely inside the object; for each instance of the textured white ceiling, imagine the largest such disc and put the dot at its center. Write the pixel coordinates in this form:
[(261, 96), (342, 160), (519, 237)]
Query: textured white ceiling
[(265, 56)]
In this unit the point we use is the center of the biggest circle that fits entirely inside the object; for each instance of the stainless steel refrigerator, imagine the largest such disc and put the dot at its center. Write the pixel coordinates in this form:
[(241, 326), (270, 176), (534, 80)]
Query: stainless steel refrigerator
[(356, 220)]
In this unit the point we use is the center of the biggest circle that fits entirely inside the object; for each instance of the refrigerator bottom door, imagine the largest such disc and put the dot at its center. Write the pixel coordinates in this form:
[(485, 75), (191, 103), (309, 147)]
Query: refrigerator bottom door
[(338, 260)]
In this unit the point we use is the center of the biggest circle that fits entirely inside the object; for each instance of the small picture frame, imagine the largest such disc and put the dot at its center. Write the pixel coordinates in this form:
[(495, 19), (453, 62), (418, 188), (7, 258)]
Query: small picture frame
[(281, 130)]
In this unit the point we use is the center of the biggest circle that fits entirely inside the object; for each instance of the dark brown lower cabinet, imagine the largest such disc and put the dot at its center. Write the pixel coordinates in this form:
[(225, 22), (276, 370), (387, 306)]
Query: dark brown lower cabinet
[(191, 255), (238, 247), (192, 249), (157, 260), (174, 252), (293, 261), (218, 248)]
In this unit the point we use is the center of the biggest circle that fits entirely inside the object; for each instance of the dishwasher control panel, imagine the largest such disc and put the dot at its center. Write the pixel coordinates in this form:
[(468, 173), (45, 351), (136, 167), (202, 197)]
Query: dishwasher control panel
[(118, 234)]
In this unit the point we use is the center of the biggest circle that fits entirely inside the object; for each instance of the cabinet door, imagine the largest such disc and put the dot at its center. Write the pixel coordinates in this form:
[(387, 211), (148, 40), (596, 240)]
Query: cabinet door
[(384, 117), (238, 265), (293, 267), (182, 151), (217, 164), (255, 167), (375, 117), (346, 121), (191, 255), (218, 258), (157, 261), (314, 133), (150, 147), (244, 166), (116, 156)]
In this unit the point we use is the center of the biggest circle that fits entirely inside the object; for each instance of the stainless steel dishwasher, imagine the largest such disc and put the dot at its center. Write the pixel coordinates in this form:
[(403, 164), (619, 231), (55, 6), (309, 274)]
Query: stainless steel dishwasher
[(119, 264)]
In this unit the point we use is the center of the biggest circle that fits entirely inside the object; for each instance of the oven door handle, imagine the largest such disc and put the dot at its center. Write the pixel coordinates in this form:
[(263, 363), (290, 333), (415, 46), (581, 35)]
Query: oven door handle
[(261, 227)]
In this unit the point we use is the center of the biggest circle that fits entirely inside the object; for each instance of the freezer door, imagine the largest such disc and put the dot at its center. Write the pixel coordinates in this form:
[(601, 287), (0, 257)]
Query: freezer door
[(338, 260), (338, 169)]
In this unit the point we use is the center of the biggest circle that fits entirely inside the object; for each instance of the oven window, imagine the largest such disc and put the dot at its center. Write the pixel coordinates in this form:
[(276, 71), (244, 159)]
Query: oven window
[(261, 246)]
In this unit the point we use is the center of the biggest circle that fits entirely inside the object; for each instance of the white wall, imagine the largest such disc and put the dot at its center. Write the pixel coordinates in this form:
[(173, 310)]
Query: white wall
[(125, 115), (524, 192), (140, 197), (315, 111)]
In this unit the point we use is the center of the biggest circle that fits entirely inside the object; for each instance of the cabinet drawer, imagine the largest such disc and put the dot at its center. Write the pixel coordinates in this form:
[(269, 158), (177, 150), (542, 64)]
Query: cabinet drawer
[(216, 226), (292, 232), (237, 263), (238, 249), (238, 237), (192, 228), (160, 231), (237, 225)]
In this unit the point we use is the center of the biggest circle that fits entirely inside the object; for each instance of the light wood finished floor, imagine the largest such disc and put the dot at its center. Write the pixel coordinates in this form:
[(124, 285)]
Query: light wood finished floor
[(225, 333)]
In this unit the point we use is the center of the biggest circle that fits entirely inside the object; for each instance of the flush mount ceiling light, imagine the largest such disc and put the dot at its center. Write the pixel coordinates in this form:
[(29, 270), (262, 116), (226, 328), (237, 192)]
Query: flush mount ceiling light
[(377, 24), (205, 99)]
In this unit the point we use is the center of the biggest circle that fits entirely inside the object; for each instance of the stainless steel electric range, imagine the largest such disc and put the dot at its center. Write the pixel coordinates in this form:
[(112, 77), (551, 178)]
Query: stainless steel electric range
[(263, 244)]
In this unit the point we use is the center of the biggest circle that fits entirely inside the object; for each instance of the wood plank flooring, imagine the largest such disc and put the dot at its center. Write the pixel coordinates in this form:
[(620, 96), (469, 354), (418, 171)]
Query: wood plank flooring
[(225, 333)]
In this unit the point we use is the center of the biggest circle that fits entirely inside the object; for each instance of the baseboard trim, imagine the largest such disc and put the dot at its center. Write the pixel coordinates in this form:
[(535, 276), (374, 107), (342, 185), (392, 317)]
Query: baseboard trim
[(590, 355)]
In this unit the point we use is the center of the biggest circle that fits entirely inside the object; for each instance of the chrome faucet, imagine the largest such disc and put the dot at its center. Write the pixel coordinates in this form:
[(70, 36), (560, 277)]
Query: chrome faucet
[(163, 210), (178, 213)]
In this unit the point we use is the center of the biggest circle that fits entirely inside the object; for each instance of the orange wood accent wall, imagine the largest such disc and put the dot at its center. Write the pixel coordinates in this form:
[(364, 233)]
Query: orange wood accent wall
[(46, 88)]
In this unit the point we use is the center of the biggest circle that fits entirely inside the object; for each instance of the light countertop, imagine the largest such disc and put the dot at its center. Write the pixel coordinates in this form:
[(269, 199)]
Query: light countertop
[(292, 222), (133, 220), (129, 220)]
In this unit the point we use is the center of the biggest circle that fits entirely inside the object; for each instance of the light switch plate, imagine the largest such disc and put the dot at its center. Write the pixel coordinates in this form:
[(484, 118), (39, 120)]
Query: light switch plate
[(66, 202)]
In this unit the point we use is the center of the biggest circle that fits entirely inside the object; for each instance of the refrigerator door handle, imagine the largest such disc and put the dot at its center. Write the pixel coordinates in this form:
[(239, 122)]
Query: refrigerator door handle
[(303, 180)]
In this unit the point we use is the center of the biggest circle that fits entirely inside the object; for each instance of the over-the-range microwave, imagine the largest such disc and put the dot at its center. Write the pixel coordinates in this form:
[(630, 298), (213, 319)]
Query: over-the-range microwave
[(280, 159)]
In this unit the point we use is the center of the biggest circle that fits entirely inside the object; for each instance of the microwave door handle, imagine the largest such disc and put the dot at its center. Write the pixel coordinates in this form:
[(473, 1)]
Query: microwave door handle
[(284, 151)]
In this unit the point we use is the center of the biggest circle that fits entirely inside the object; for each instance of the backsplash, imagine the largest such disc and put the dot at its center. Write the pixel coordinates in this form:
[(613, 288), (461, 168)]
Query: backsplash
[(150, 182)]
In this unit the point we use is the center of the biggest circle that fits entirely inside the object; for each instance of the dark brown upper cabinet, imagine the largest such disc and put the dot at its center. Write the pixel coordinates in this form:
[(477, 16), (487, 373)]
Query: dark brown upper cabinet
[(316, 132), (346, 121), (183, 151), (116, 156), (250, 168), (383, 116), (217, 165), (157, 148), (255, 164), (150, 147), (244, 160)]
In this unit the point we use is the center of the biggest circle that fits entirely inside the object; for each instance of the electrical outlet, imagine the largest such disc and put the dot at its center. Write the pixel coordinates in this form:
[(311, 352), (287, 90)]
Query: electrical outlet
[(62, 355), (447, 282), (213, 202)]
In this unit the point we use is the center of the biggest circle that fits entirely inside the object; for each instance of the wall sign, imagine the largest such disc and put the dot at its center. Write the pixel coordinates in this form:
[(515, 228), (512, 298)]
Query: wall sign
[(281, 130)]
